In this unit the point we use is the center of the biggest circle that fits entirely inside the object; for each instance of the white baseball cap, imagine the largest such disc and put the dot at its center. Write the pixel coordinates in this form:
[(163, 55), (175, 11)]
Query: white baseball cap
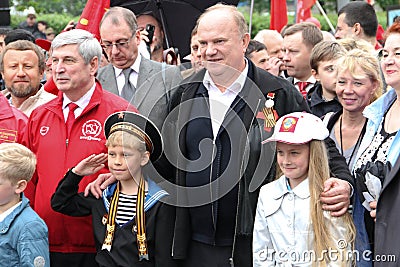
[(298, 128)]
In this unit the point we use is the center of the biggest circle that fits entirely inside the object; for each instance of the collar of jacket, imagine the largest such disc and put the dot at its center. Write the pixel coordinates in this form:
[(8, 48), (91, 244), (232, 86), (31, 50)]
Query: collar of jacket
[(5, 108), (316, 98), (281, 189), (5, 225), (155, 193), (333, 119), (54, 105), (271, 83), (376, 110)]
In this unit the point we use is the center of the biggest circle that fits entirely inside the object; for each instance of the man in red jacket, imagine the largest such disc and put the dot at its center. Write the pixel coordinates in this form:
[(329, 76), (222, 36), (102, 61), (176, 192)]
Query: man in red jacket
[(12, 122), (63, 132)]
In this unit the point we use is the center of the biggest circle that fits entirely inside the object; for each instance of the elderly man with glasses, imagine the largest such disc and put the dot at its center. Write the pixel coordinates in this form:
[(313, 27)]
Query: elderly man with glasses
[(145, 83)]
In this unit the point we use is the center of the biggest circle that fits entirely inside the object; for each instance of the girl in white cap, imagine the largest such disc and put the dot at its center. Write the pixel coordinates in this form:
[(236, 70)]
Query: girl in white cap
[(291, 229)]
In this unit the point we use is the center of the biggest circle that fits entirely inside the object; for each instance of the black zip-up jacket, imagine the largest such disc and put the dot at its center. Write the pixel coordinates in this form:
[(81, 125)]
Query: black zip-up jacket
[(318, 106), (248, 166)]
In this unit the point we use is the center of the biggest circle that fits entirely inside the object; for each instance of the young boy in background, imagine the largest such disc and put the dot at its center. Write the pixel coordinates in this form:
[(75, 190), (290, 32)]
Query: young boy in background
[(322, 97), (23, 234)]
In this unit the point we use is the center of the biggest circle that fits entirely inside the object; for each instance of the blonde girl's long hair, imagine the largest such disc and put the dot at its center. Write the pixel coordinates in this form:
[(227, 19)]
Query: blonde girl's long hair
[(318, 173)]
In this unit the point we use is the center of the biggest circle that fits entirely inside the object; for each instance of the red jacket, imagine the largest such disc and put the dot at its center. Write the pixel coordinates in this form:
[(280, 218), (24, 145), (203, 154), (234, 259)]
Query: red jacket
[(46, 137), (12, 122)]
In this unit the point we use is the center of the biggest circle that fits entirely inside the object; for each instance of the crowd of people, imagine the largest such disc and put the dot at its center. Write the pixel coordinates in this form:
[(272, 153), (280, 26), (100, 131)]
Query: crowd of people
[(282, 150)]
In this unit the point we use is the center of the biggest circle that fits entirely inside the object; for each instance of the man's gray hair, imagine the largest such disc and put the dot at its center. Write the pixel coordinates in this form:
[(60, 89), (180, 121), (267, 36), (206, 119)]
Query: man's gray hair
[(88, 46)]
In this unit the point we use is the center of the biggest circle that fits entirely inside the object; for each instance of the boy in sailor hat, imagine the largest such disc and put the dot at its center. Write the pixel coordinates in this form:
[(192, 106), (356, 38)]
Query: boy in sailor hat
[(130, 222)]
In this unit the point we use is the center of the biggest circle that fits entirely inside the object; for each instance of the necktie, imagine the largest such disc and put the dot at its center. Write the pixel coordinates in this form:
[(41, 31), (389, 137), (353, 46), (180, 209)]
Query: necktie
[(302, 88), (128, 91), (71, 116)]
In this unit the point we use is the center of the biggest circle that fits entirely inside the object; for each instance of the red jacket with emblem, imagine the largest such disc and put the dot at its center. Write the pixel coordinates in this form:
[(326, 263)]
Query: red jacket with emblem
[(46, 136), (12, 122)]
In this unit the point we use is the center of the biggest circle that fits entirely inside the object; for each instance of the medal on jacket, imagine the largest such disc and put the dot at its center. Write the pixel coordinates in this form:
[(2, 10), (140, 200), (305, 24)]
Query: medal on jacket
[(268, 113), (104, 219)]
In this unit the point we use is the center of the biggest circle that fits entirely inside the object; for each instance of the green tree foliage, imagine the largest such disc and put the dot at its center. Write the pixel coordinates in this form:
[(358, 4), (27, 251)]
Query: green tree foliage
[(55, 21), (262, 21), (260, 6), (72, 7)]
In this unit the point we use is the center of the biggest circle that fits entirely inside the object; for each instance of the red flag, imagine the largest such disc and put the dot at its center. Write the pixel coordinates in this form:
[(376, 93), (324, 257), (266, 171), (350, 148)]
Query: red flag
[(278, 15), (304, 9), (92, 15)]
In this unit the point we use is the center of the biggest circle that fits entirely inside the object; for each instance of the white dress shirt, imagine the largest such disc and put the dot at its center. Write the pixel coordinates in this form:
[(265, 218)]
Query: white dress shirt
[(311, 82), (133, 78), (82, 103), (221, 101)]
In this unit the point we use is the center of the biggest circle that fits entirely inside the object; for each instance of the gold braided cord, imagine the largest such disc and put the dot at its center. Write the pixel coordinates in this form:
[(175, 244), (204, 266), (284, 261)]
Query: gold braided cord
[(112, 213), (140, 222)]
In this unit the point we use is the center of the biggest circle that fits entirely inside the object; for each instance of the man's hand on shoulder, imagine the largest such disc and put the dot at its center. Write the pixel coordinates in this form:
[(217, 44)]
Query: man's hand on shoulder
[(97, 186)]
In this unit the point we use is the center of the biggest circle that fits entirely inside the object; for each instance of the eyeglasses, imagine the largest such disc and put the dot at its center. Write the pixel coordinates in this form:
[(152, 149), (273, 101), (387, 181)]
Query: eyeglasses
[(119, 44)]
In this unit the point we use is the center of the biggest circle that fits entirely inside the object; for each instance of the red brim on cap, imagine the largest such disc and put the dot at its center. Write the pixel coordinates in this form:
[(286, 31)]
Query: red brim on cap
[(43, 43)]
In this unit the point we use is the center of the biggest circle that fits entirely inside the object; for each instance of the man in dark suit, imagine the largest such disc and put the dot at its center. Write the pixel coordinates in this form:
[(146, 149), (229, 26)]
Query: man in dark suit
[(217, 122), (298, 42), (151, 83)]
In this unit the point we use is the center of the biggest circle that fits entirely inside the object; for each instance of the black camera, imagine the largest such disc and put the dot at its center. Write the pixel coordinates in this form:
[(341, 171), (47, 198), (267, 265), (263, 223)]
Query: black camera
[(150, 30)]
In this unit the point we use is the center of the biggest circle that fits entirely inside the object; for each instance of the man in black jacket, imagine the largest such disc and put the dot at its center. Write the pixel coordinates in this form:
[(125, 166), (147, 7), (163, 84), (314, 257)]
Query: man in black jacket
[(217, 122)]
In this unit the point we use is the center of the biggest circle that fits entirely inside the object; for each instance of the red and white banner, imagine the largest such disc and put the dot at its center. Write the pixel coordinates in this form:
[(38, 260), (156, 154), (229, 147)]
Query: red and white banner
[(304, 9)]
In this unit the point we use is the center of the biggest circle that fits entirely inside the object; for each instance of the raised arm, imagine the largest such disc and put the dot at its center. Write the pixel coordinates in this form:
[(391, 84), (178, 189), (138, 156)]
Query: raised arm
[(66, 199)]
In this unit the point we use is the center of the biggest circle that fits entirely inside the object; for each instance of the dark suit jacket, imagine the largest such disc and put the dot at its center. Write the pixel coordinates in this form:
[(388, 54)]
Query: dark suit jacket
[(248, 155), (387, 227), (154, 86)]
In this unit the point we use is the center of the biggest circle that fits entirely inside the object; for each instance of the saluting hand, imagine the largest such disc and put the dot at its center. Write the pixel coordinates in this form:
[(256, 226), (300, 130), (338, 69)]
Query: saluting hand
[(90, 165)]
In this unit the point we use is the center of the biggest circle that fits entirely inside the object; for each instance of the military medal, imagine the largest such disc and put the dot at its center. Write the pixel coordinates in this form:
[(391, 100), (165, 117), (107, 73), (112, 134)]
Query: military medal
[(104, 219), (269, 113)]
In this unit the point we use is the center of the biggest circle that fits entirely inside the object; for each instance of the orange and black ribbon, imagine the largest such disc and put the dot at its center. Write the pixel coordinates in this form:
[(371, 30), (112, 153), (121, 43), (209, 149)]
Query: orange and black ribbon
[(112, 213), (140, 222)]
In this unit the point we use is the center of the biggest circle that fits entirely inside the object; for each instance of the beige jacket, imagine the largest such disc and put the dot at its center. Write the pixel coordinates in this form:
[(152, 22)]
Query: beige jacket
[(32, 102)]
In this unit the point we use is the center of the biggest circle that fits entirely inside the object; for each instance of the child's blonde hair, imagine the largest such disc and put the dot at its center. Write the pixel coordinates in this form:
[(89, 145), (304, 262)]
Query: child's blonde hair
[(318, 173), (125, 139), (16, 162), (350, 43)]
